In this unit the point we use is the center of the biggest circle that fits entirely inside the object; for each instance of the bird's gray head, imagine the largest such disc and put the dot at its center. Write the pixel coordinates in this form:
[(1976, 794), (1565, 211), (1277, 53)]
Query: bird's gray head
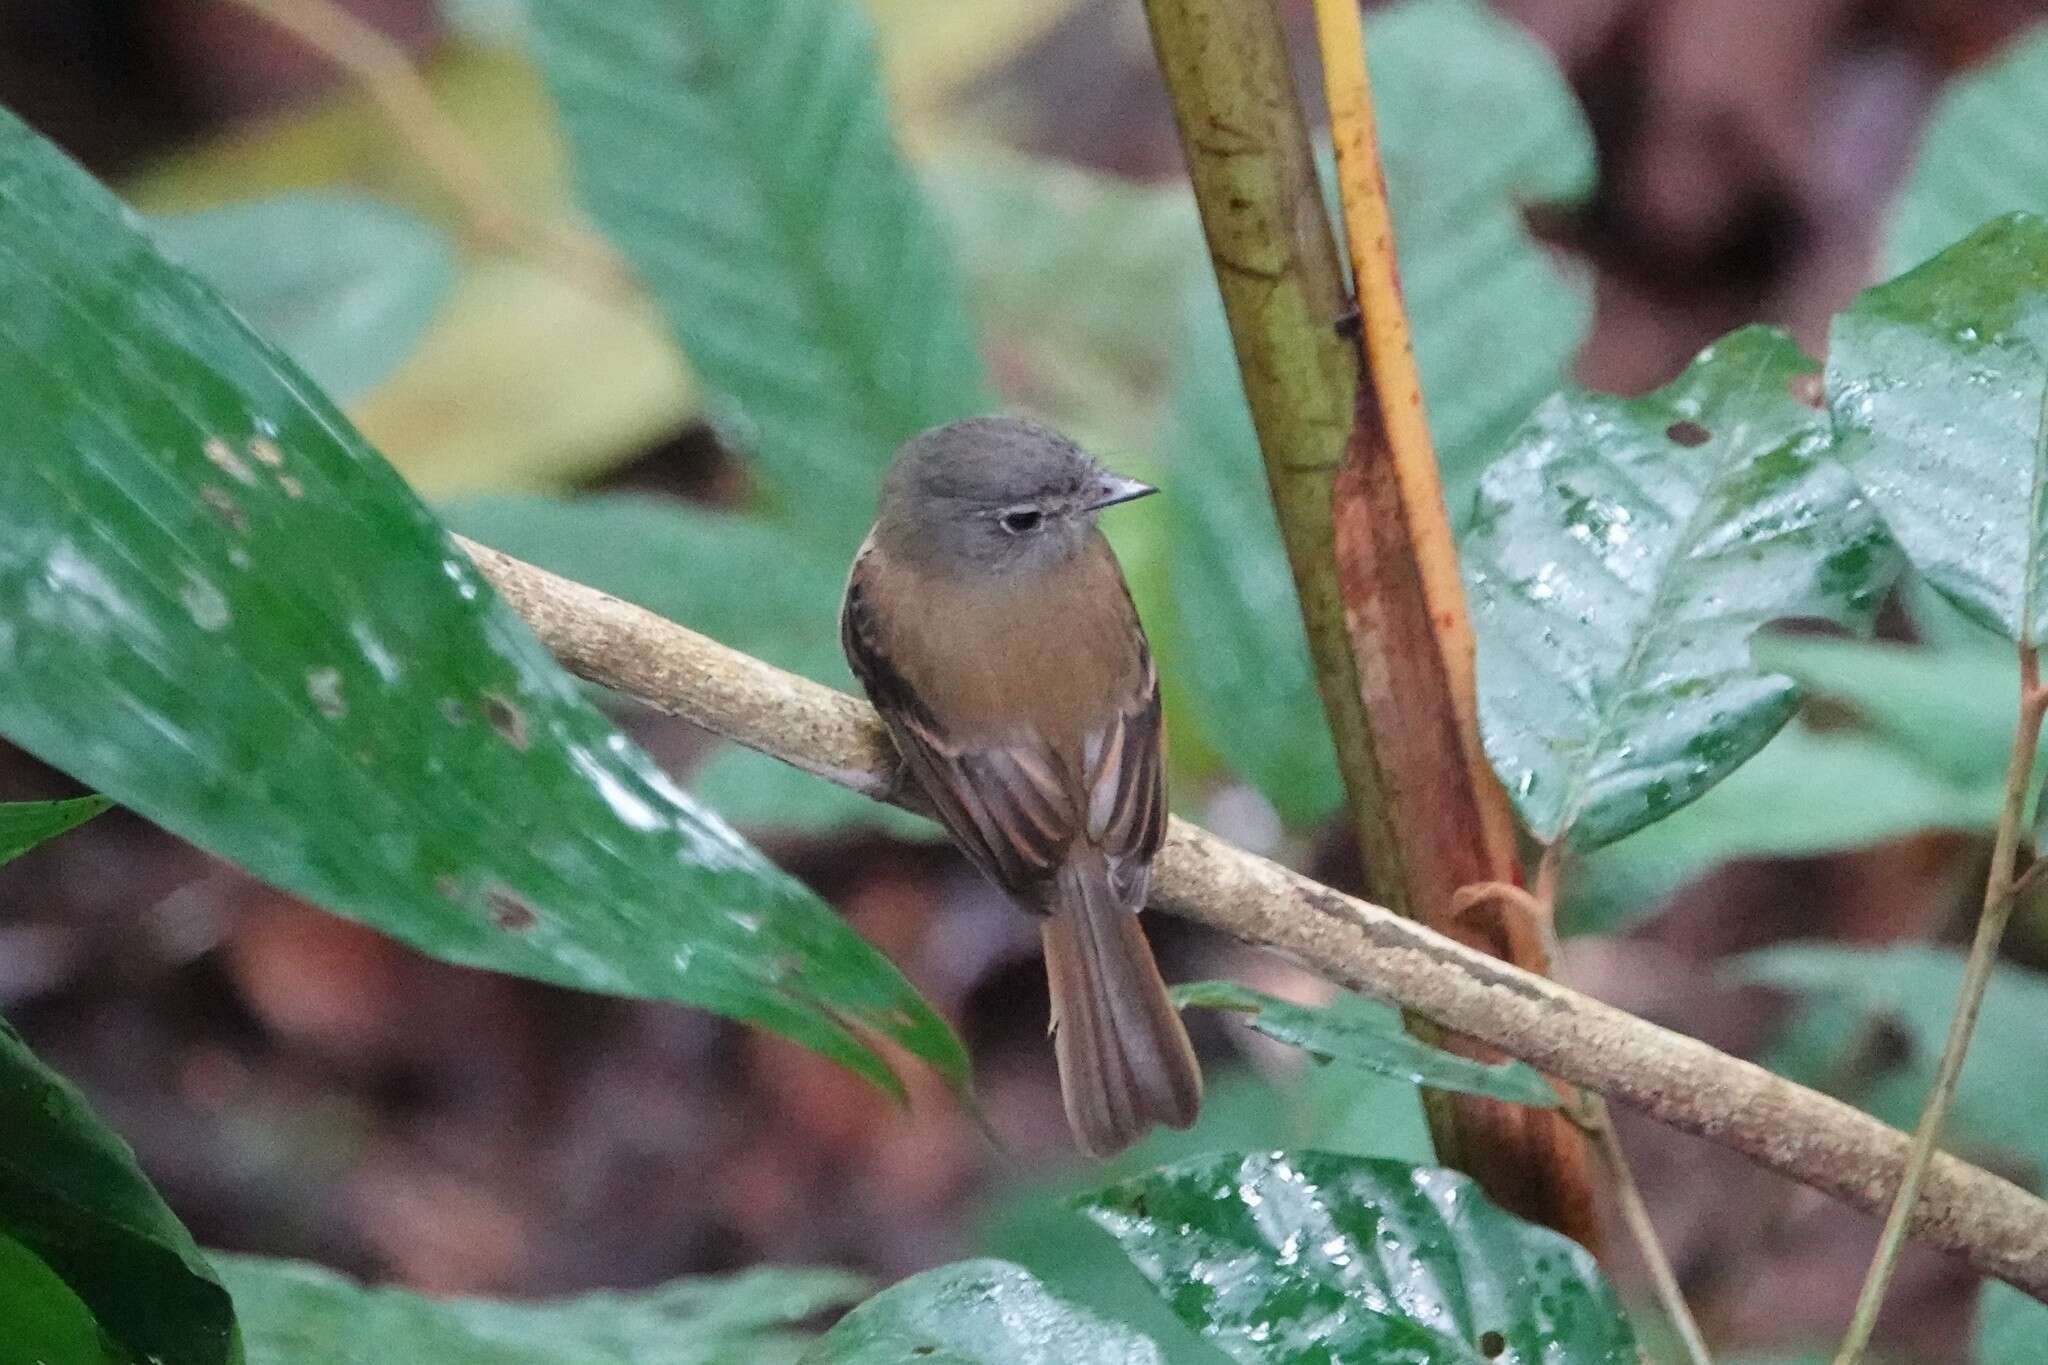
[(994, 495)]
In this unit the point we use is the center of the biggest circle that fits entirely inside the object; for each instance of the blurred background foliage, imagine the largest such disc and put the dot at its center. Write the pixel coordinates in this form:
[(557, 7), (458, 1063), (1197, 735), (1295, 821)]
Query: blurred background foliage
[(622, 345)]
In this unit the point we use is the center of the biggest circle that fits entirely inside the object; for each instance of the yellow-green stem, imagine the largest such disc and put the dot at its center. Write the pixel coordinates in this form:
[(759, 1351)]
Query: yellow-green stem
[(2000, 888)]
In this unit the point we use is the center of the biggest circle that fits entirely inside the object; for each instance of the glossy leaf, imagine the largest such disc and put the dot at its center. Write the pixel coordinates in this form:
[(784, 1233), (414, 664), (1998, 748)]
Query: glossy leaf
[(292, 1312), (1351, 1029), (1911, 990), (1624, 551), (739, 154), (223, 610), (343, 284), (1496, 324), (72, 1197), (1295, 1257), (1984, 153), (24, 824), (1335, 1107), (1937, 381), (750, 583), (977, 1313), (1807, 792)]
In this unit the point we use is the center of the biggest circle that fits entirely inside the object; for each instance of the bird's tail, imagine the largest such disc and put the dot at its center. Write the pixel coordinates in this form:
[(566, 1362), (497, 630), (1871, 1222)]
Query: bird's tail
[(1125, 1060)]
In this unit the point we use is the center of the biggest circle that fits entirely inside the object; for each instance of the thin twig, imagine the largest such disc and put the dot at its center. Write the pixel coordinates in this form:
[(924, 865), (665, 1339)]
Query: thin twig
[(385, 73), (1635, 1213), (2000, 894), (1680, 1081)]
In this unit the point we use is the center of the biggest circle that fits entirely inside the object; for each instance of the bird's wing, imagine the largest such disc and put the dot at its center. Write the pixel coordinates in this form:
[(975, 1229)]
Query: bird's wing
[(1004, 802)]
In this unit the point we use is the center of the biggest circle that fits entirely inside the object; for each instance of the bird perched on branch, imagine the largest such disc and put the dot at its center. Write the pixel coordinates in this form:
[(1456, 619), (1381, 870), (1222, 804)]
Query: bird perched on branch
[(988, 620)]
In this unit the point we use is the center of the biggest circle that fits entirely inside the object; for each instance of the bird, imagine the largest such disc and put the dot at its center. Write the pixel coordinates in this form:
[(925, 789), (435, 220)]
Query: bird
[(987, 619)]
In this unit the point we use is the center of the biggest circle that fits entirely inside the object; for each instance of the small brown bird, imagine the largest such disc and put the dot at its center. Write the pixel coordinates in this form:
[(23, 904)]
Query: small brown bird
[(988, 621)]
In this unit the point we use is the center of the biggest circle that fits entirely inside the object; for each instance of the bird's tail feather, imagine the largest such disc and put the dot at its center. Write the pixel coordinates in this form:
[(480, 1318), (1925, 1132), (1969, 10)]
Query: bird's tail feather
[(1124, 1057)]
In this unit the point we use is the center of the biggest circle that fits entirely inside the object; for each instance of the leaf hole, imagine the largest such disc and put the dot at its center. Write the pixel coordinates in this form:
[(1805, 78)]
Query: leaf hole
[(1492, 1345), (509, 912), (224, 505), (1688, 433), (924, 1350), (508, 720)]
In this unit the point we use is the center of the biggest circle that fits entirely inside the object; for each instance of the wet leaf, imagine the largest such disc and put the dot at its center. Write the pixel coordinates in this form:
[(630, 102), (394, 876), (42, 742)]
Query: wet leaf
[(1365, 1034), (73, 1199), (24, 824), (977, 1313), (1937, 383), (292, 1312), (1983, 154), (343, 284), (223, 610), (1910, 990), (1291, 1257), (1624, 551), (1496, 324), (739, 154)]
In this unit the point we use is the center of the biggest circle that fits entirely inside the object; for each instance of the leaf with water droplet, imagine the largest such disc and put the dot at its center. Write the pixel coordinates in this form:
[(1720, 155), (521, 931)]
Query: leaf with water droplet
[(1349, 1028), (1957, 466), (1617, 573), (301, 727), (1391, 1262), (73, 1199), (977, 1313)]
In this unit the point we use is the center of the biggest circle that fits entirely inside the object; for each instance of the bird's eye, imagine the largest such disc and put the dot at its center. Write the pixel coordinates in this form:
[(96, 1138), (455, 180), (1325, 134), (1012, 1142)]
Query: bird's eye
[(1018, 520)]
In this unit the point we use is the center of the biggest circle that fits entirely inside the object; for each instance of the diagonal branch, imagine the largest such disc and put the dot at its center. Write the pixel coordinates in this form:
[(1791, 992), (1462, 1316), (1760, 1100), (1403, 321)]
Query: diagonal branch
[(1680, 1081)]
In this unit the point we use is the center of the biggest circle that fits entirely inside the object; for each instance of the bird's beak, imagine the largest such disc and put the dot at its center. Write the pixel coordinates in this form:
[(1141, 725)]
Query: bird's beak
[(1113, 490)]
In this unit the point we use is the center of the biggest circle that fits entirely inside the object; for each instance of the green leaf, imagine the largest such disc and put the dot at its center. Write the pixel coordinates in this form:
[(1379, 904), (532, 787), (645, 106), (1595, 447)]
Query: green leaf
[(46, 1323), (1335, 1107), (72, 1197), (1078, 280), (1467, 144), (223, 610), (1496, 325), (1936, 381), (756, 585), (2012, 1328), (977, 1313), (1288, 1257), (1912, 988), (293, 1313), (1624, 552), (343, 284), (24, 824), (1355, 1030), (1807, 792), (1953, 711), (1983, 154), (739, 153)]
